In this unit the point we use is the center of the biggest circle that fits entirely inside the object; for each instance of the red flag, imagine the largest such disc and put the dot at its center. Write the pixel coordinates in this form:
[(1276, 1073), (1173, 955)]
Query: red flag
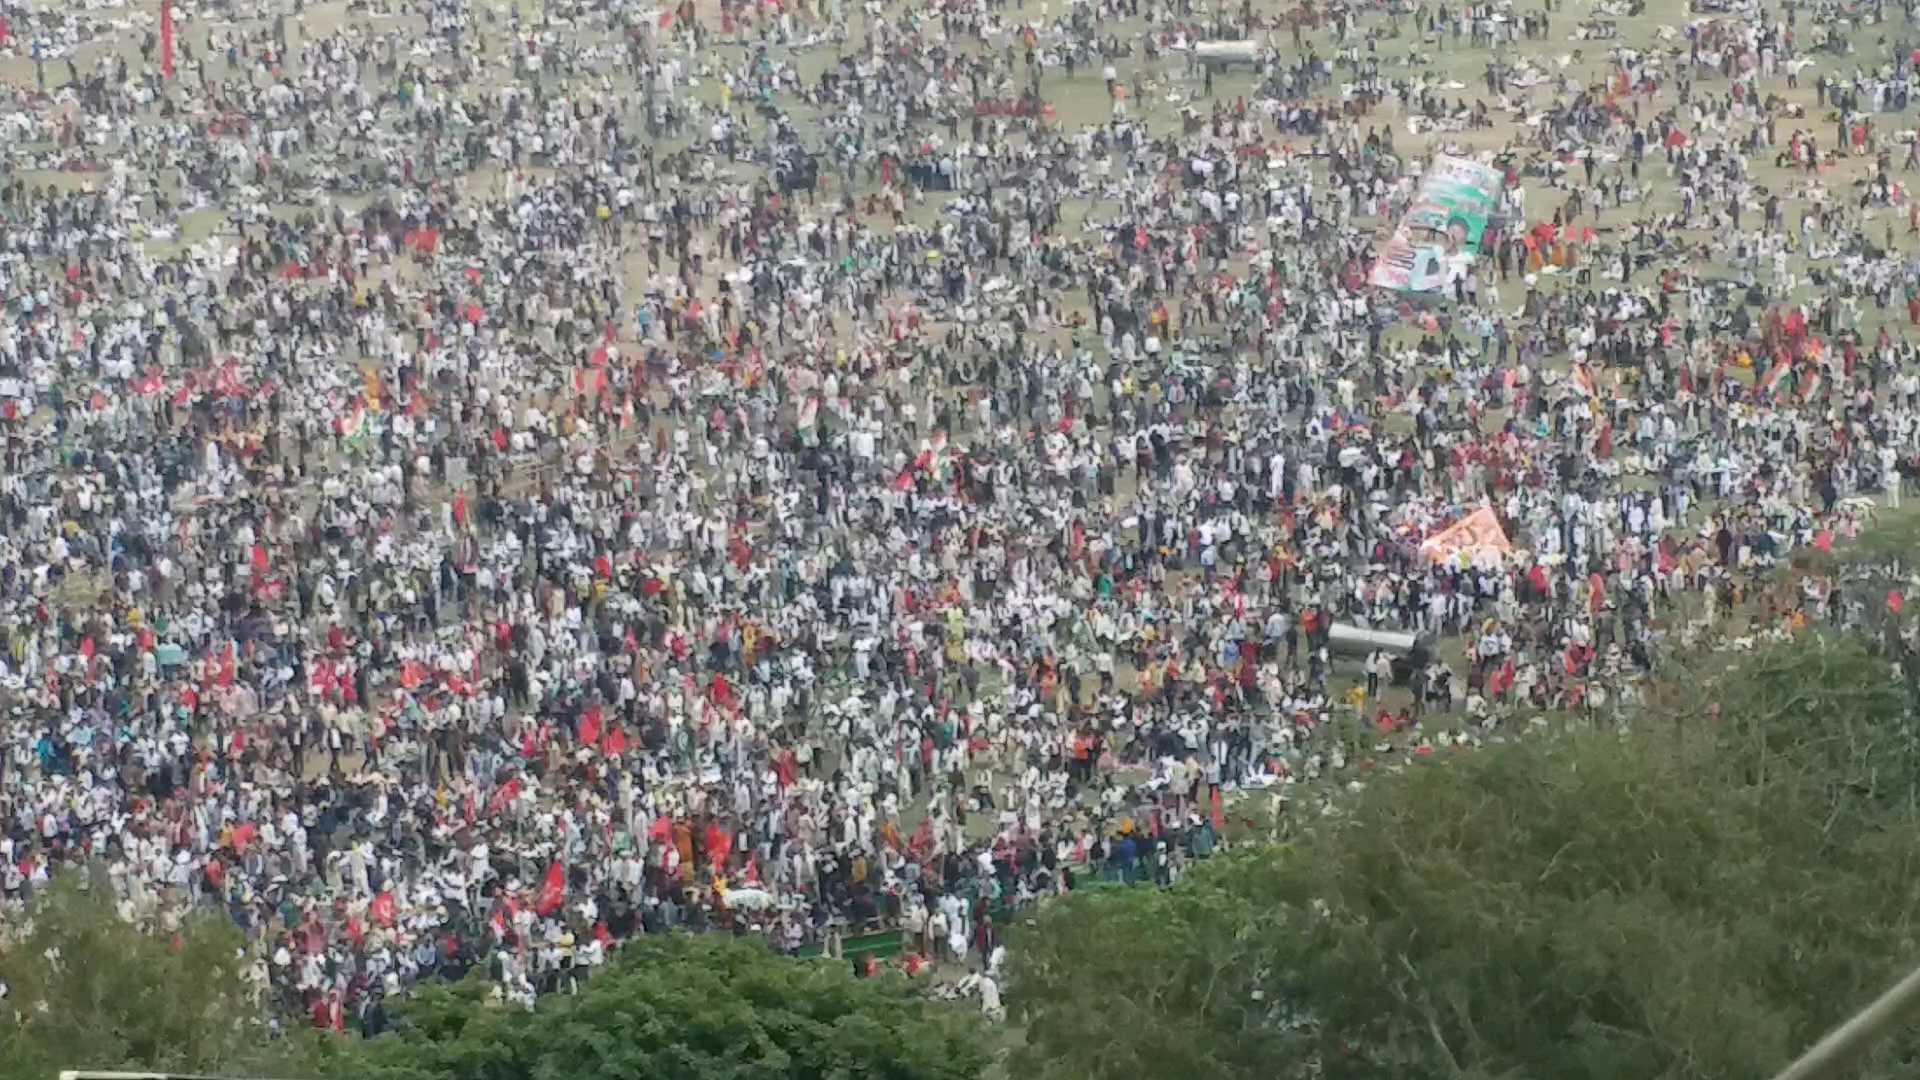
[(320, 680), (590, 380), (553, 891), (1219, 813), (166, 39), (503, 795), (1895, 602), (383, 910), (227, 381), (590, 727)]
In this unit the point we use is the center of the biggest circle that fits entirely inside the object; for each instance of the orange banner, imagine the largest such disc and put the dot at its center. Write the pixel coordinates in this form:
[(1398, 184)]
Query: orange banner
[(1477, 532)]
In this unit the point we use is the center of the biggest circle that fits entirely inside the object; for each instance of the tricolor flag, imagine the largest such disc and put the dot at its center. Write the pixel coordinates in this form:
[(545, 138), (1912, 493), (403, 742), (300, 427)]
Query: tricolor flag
[(1771, 381)]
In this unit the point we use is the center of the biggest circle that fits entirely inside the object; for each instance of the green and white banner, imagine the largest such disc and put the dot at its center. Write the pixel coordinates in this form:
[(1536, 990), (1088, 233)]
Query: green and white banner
[(1441, 231)]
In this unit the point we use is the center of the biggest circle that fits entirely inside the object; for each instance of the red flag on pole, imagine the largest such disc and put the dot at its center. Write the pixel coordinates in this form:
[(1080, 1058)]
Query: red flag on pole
[(166, 39), (553, 890)]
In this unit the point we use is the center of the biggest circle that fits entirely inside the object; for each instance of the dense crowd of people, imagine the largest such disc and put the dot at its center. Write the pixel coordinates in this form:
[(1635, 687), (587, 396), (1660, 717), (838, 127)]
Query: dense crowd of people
[(481, 484)]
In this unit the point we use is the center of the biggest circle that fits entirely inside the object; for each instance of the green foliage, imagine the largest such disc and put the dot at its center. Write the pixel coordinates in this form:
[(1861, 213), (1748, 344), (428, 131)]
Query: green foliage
[(708, 1007), (1894, 535), (89, 990), (1147, 982), (1827, 720), (1701, 898)]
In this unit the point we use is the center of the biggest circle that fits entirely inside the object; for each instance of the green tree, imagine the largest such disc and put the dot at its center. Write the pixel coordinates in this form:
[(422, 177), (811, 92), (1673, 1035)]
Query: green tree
[(708, 1007), (86, 989), (1699, 898)]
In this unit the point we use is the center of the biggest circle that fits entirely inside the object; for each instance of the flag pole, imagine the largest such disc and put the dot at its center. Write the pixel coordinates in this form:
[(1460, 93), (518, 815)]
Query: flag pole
[(1831, 1056)]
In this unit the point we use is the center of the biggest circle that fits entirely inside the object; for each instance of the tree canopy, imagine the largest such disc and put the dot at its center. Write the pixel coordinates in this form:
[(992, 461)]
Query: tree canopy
[(678, 1005), (1700, 898), (86, 989)]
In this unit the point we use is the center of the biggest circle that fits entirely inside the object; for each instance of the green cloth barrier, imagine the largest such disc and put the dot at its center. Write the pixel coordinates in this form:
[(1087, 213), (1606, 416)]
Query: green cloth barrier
[(882, 944)]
